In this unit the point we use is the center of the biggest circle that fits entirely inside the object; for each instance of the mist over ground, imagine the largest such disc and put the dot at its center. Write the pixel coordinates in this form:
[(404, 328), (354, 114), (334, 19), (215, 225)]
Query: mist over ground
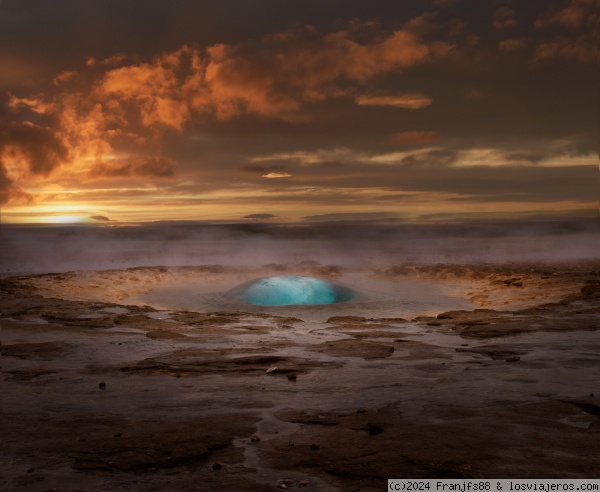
[(43, 249)]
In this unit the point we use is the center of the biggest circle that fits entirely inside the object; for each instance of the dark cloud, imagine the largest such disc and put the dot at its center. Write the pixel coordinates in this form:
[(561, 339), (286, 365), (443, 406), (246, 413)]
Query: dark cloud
[(260, 216), (27, 149), (40, 148), (5, 185), (100, 218)]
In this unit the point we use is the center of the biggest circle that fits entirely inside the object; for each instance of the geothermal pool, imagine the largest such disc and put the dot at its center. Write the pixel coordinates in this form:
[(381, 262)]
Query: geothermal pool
[(307, 297)]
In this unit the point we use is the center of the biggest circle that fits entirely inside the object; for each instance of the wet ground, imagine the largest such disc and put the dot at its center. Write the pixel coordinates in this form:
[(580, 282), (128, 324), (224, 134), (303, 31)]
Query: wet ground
[(156, 379)]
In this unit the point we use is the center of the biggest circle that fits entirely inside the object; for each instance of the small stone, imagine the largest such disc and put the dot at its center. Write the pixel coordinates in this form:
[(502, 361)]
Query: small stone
[(303, 483), (314, 447), (102, 386), (31, 470), (217, 466), (271, 369), (513, 358), (254, 438)]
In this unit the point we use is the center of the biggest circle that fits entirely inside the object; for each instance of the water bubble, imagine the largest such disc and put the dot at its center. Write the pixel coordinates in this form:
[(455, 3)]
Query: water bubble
[(292, 290)]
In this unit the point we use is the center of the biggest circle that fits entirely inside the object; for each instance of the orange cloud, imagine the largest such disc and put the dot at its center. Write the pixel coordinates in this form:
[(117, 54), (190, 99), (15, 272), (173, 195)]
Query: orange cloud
[(577, 14), (416, 138), (149, 167), (580, 21), (155, 88), (407, 101), (35, 104), (131, 106), (272, 77), (304, 67), (114, 60), (64, 77), (274, 174)]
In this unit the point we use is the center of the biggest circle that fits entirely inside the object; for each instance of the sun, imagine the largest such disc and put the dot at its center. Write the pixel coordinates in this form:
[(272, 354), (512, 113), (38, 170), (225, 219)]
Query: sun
[(68, 219)]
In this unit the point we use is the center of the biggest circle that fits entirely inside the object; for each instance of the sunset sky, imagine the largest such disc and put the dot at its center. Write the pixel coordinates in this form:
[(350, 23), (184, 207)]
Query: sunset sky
[(116, 111)]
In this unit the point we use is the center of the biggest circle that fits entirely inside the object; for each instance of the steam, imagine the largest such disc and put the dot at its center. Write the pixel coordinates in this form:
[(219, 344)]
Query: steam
[(27, 250)]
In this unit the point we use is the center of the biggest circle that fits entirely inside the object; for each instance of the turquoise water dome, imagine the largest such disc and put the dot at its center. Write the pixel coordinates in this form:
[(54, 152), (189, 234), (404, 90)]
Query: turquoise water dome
[(292, 290)]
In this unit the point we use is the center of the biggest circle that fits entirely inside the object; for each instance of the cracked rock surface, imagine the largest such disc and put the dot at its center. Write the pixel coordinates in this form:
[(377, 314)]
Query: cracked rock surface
[(103, 393)]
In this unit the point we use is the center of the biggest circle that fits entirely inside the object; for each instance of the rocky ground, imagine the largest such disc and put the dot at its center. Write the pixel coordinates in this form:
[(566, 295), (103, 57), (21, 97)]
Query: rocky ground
[(103, 395)]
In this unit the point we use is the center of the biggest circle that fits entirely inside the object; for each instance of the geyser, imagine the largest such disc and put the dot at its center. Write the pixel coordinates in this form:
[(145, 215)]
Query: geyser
[(292, 290)]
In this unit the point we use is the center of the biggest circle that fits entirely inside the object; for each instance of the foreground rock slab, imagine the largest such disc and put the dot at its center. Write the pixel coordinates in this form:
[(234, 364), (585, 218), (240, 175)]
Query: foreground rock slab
[(103, 395)]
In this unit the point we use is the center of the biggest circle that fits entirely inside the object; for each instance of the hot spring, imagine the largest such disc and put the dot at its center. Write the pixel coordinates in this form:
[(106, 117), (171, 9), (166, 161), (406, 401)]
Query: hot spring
[(358, 293), (291, 290)]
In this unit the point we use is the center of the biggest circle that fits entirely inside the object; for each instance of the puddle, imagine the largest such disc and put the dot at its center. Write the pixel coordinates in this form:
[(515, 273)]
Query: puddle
[(116, 310)]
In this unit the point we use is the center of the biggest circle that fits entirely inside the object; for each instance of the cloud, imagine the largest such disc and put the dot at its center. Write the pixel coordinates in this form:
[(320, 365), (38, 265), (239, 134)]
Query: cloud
[(579, 21), (37, 104), (416, 138), (113, 60), (262, 170), (64, 77), (577, 14), (271, 77), (504, 18), (122, 107), (27, 149), (147, 167), (305, 66), (407, 101), (155, 89), (582, 49), (260, 216), (277, 174), (100, 218)]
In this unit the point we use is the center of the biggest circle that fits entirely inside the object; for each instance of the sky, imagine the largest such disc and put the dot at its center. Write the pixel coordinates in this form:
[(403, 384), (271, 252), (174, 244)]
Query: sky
[(121, 111)]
